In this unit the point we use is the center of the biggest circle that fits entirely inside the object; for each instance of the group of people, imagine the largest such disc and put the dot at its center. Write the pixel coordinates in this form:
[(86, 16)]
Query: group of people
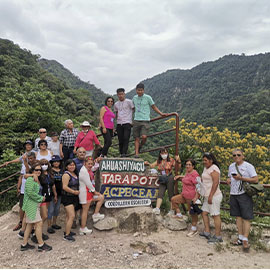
[(51, 175), (44, 183), (207, 187)]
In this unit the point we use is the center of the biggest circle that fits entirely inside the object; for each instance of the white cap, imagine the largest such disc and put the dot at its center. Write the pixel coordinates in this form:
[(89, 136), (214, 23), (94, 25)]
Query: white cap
[(85, 124)]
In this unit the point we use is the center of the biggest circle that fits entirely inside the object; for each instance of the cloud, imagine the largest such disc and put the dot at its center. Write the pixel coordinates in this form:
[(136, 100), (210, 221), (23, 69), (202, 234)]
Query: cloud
[(119, 43)]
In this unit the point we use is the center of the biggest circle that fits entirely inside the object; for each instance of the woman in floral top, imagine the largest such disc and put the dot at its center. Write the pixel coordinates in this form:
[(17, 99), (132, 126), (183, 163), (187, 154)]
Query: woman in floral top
[(165, 165)]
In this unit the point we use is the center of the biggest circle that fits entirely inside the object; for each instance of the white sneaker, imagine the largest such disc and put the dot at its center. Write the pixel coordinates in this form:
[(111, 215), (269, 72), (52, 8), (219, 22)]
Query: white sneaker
[(178, 216), (198, 202), (192, 233), (97, 217), (156, 211), (85, 230), (170, 213)]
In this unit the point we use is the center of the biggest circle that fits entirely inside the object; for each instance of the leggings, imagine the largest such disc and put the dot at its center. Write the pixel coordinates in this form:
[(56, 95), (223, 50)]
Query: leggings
[(107, 141)]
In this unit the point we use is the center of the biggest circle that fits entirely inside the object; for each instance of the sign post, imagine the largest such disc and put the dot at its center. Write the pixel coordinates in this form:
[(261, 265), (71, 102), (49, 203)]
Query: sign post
[(127, 183)]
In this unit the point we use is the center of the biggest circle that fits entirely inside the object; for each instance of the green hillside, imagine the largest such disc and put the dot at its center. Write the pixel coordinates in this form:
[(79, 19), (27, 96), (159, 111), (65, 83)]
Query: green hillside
[(73, 81), (31, 97), (233, 92)]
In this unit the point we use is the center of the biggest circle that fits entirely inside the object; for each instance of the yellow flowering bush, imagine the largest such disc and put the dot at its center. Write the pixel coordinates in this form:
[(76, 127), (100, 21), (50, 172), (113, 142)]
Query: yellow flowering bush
[(222, 142)]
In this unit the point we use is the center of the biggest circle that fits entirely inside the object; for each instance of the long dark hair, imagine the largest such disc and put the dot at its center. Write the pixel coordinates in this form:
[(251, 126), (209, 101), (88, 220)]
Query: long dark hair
[(106, 100), (31, 170), (68, 162), (159, 155), (61, 165), (210, 156), (49, 170)]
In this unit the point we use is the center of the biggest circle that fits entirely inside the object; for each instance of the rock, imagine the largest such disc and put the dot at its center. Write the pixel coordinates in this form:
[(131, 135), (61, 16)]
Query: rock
[(175, 224), (16, 208), (111, 250), (136, 234), (80, 251), (154, 249), (139, 245), (106, 224), (135, 219), (149, 248), (135, 255)]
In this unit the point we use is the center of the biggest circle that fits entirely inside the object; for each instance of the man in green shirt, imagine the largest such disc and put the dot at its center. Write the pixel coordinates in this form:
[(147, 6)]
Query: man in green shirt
[(143, 104)]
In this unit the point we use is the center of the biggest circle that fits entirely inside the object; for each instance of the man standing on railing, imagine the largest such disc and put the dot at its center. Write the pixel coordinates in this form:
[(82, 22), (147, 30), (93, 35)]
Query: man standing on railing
[(241, 205), (143, 104), (123, 109)]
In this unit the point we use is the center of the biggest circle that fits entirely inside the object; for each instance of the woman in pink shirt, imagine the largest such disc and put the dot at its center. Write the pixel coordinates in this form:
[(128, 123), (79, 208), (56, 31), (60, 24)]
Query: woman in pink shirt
[(86, 139), (188, 194), (106, 124)]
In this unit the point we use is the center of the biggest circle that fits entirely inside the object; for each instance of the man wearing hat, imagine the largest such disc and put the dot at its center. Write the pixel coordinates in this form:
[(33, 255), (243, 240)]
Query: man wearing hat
[(54, 144), (28, 146), (86, 139)]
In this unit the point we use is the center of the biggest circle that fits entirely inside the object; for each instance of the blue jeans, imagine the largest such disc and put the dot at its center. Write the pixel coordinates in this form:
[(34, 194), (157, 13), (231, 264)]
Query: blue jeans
[(53, 209)]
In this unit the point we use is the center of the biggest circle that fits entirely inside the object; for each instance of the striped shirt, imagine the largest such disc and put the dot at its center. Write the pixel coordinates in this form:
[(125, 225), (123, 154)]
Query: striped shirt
[(68, 138)]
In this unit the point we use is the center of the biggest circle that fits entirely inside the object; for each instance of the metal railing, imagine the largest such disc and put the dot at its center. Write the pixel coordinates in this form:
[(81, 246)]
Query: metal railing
[(7, 178)]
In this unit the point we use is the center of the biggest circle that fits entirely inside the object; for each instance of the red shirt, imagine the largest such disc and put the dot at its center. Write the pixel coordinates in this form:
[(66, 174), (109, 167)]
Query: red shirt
[(189, 185), (86, 141)]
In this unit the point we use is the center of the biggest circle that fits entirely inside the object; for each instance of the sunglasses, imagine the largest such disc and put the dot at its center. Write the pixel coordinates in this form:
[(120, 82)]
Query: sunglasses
[(238, 155), (44, 164), (37, 170), (43, 132)]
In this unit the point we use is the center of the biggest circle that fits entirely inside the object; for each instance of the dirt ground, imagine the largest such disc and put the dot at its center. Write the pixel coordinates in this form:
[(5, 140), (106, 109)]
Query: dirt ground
[(113, 250)]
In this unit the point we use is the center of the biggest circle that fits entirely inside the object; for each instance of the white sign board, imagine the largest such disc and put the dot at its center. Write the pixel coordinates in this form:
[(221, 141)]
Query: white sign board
[(127, 203)]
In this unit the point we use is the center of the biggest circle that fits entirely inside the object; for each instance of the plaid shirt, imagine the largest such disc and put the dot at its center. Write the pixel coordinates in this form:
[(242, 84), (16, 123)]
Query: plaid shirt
[(68, 138)]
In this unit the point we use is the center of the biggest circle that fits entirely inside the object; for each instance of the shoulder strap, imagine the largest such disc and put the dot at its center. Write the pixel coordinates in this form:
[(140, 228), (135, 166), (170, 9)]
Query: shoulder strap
[(83, 137), (236, 167), (241, 182)]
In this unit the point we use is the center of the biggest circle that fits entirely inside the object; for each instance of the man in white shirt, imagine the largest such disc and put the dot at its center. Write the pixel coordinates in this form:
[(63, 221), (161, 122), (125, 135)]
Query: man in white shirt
[(241, 205), (42, 136), (123, 109)]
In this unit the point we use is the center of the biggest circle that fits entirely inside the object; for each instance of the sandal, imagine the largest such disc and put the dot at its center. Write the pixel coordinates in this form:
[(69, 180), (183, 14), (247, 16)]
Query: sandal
[(238, 242), (246, 246), (18, 227)]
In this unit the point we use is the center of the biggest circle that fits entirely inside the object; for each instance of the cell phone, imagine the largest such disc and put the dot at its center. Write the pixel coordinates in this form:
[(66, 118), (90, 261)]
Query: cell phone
[(234, 174)]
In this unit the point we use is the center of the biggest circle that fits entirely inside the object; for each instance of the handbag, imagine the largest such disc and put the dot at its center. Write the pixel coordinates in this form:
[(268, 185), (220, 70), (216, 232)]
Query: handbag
[(250, 189), (163, 179)]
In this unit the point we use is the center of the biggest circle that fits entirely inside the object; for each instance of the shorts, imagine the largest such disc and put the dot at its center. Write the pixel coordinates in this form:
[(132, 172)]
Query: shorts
[(89, 195), (140, 128), (241, 206), (68, 200), (169, 186), (214, 208), (37, 218), (21, 200), (45, 203)]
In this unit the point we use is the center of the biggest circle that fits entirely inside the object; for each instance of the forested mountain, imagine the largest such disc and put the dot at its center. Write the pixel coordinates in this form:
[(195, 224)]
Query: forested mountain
[(233, 92), (31, 97), (73, 81)]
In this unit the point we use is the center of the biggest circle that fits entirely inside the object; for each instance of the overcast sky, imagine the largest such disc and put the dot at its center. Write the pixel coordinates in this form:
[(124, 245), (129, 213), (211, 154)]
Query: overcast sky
[(118, 43)]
